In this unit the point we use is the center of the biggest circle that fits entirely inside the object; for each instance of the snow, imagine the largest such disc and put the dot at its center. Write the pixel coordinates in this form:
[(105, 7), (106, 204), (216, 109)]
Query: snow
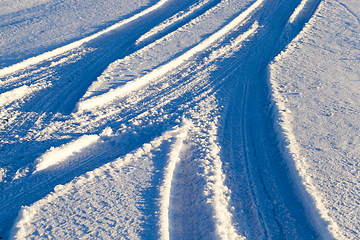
[(57, 155), (30, 28), (315, 86), (165, 189), (21, 92), (179, 119)]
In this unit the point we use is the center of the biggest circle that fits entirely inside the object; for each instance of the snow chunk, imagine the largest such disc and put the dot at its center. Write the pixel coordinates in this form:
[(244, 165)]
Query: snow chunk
[(21, 173)]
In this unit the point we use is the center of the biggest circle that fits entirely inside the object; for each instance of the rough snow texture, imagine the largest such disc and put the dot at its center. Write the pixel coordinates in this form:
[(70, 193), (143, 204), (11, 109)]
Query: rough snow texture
[(315, 84), (57, 155), (89, 206), (155, 123), (29, 28)]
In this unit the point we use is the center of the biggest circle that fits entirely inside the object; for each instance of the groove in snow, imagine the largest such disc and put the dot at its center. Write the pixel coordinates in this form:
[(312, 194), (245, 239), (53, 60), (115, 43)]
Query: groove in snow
[(119, 92), (34, 60), (312, 200), (174, 158)]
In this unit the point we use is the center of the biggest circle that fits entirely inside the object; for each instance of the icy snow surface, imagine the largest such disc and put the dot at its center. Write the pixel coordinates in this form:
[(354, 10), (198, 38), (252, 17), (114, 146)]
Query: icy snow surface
[(179, 119)]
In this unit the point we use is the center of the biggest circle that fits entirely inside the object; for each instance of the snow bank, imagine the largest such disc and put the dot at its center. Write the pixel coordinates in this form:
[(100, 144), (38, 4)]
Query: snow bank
[(312, 201), (56, 155), (315, 85)]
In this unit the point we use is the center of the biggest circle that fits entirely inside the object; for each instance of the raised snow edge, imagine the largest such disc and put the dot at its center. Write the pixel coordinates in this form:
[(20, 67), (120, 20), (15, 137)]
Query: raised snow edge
[(290, 151), (58, 51), (120, 92)]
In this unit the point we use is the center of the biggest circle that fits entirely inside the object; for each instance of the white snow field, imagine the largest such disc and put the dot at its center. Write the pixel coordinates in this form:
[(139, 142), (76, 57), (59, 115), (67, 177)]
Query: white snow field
[(179, 119), (316, 86)]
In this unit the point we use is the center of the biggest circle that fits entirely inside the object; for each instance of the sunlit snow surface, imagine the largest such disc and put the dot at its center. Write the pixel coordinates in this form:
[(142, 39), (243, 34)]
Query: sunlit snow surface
[(317, 80), (179, 119), (31, 27)]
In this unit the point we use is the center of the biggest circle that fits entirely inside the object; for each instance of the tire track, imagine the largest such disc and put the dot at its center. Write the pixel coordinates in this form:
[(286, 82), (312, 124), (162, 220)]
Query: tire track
[(260, 201), (271, 196), (120, 92), (165, 189), (66, 48)]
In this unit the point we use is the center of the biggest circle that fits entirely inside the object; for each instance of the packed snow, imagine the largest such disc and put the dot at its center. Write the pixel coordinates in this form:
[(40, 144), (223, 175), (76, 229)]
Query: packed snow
[(179, 119)]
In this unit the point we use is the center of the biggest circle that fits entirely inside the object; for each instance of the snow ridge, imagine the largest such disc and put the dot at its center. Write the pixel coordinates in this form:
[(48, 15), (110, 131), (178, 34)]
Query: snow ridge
[(56, 155), (303, 11), (219, 197), (119, 92), (165, 189), (323, 223), (21, 92), (34, 60)]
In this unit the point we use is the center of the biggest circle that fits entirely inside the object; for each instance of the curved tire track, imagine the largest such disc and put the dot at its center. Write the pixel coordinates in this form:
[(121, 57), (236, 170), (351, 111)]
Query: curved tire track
[(261, 189)]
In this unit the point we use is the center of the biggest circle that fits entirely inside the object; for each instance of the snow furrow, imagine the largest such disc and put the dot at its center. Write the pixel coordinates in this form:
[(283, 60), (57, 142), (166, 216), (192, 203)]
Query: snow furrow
[(66, 48), (173, 20), (120, 92), (165, 189)]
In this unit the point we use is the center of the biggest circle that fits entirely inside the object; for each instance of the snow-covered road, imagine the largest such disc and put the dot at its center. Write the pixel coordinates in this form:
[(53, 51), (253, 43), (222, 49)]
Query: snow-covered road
[(156, 126)]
